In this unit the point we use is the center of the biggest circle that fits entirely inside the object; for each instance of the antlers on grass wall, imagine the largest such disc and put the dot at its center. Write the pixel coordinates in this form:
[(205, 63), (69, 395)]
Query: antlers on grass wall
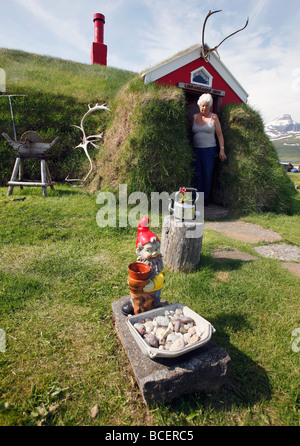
[(86, 140)]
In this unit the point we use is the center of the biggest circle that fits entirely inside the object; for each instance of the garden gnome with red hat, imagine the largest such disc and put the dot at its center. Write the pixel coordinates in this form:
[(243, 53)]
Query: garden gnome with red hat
[(148, 251)]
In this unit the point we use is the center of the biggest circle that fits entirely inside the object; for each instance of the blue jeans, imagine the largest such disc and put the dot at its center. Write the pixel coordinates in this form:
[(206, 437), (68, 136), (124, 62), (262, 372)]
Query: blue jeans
[(205, 161)]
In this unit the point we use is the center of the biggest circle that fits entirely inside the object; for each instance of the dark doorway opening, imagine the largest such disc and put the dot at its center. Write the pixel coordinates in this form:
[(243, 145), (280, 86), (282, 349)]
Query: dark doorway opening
[(192, 108)]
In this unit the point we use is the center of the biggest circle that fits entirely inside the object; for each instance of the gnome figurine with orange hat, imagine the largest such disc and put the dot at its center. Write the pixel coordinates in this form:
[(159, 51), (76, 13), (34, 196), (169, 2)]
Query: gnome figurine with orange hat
[(148, 251)]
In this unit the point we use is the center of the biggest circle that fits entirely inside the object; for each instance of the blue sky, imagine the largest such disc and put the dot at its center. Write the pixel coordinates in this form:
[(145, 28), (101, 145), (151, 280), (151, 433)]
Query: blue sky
[(141, 33)]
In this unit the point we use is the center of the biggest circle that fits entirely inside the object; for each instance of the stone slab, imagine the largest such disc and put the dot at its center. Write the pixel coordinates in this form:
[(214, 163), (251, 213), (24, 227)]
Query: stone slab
[(233, 254), (292, 267), (244, 231), (163, 380), (281, 251)]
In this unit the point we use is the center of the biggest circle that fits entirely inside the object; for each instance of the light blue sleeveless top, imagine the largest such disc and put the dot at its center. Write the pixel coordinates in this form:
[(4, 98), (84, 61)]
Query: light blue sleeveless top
[(204, 135)]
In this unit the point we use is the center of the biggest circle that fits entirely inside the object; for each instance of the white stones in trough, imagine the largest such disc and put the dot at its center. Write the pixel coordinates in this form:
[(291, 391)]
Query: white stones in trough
[(171, 331)]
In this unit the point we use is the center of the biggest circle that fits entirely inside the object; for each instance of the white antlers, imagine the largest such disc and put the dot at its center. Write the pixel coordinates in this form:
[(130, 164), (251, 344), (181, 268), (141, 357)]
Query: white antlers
[(205, 49), (88, 139)]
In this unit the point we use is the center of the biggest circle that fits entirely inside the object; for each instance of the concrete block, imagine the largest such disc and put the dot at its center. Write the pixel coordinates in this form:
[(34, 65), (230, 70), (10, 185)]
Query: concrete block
[(162, 380)]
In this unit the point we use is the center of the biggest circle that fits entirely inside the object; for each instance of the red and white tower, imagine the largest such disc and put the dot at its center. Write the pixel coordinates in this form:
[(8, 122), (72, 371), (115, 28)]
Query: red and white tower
[(99, 50)]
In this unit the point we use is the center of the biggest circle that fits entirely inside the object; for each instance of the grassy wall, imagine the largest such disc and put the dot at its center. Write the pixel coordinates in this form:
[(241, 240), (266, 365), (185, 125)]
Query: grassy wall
[(252, 179), (146, 144)]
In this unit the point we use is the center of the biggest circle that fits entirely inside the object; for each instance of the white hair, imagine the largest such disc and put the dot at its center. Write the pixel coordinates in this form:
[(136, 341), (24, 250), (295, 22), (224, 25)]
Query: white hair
[(207, 98)]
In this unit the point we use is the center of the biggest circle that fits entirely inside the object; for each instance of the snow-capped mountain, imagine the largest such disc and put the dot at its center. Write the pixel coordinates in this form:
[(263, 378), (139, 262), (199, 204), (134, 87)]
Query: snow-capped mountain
[(284, 126), (284, 133)]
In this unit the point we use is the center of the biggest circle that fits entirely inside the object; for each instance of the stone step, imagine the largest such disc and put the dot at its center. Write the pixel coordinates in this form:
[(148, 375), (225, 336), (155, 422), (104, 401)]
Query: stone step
[(281, 251), (252, 233), (244, 231)]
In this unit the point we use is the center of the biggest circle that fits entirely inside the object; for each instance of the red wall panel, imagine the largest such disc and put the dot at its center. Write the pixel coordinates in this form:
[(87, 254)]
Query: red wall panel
[(183, 74)]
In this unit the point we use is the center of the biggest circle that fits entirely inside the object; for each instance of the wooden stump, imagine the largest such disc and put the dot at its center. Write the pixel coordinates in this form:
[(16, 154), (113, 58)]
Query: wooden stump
[(181, 243)]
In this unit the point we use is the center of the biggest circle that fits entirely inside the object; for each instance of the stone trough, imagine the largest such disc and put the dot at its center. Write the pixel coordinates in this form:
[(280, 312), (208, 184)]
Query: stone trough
[(162, 380)]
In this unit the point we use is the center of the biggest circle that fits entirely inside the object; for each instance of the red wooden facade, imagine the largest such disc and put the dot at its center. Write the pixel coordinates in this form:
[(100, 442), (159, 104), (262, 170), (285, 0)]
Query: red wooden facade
[(183, 75), (179, 71)]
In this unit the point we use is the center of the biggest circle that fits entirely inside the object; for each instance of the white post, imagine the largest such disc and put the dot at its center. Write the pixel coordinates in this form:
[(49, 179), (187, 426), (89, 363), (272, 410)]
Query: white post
[(44, 177), (14, 175)]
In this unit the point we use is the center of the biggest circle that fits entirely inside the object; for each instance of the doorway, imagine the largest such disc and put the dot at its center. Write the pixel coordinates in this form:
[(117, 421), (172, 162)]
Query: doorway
[(192, 108)]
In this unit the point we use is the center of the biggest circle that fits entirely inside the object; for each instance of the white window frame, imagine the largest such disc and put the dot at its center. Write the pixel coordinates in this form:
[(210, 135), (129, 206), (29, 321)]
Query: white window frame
[(206, 73)]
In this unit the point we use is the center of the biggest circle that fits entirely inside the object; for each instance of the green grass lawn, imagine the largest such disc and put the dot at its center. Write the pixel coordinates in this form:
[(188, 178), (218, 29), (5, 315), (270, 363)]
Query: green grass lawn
[(60, 273)]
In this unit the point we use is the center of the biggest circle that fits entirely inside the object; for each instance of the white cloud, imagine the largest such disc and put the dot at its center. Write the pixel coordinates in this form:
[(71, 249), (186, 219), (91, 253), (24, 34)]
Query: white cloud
[(262, 60), (264, 63), (257, 9), (59, 25), (264, 57)]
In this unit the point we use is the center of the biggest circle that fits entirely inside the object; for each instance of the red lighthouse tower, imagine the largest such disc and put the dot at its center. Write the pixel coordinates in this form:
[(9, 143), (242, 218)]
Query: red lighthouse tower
[(99, 50)]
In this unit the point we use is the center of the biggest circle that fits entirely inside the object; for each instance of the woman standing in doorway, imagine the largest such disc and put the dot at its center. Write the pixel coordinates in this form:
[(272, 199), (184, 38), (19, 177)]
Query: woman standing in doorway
[(206, 126)]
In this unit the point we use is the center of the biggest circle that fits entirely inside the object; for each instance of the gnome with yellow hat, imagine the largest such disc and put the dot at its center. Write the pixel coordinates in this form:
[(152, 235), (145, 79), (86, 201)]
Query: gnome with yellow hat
[(148, 251)]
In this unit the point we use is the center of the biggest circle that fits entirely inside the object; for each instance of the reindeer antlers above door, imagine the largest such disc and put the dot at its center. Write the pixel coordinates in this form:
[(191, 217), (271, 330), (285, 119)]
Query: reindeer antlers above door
[(205, 49)]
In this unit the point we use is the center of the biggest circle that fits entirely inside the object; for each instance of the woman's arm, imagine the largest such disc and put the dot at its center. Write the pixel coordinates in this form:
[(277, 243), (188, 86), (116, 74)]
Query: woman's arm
[(220, 136)]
